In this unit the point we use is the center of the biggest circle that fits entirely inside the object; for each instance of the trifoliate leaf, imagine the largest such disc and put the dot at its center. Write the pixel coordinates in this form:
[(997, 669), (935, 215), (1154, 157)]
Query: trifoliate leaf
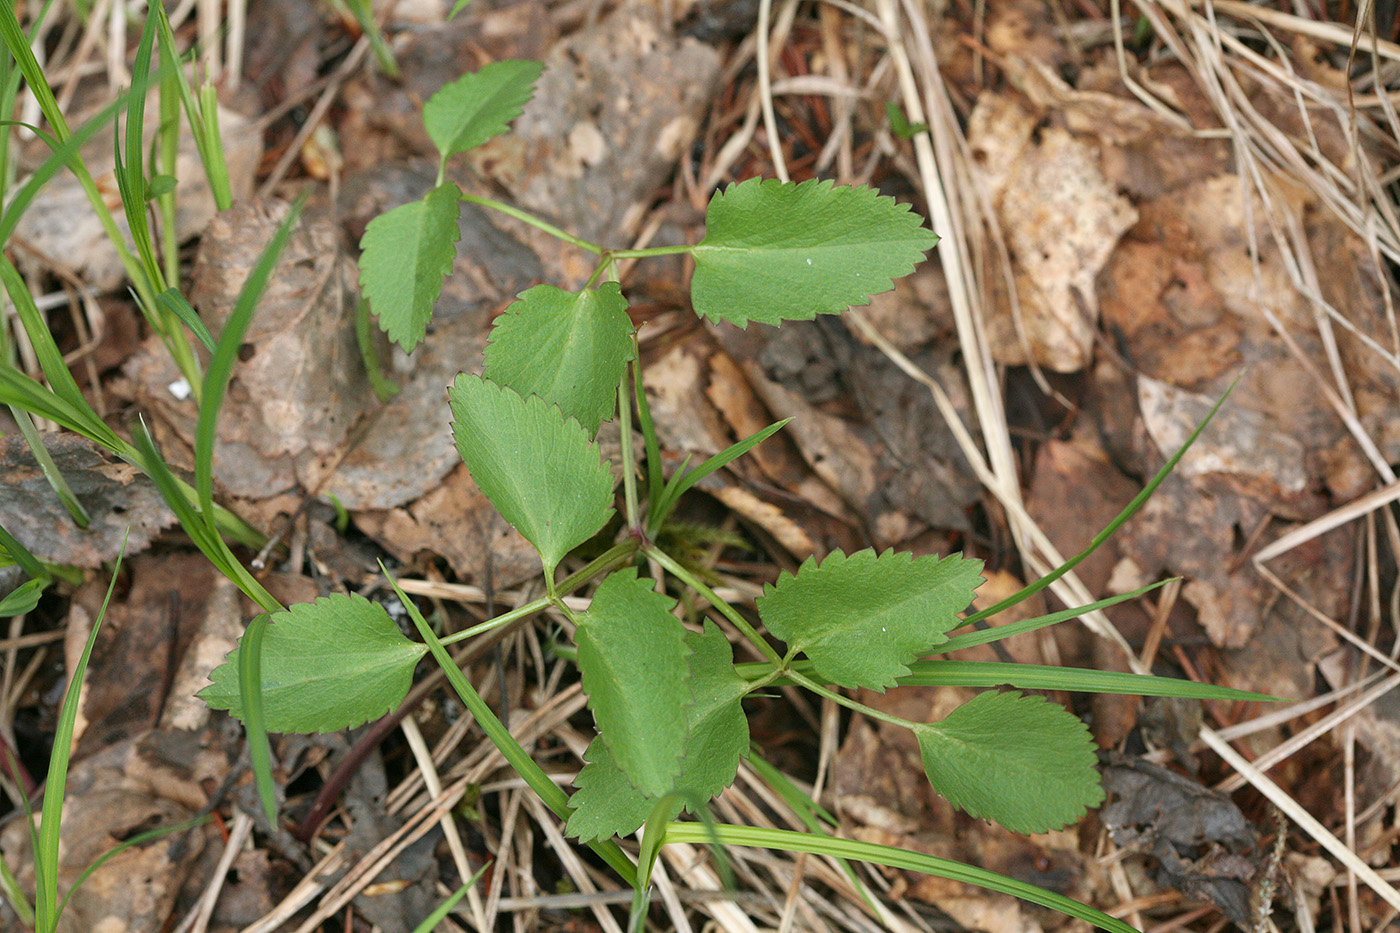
[(633, 658), (862, 619), (1019, 760), (332, 664), (404, 255), (775, 251), (539, 469), (569, 348), (477, 106), (606, 804)]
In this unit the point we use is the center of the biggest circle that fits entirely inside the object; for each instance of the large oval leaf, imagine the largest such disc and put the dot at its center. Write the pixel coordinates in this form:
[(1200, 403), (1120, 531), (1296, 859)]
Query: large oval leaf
[(404, 255), (569, 348), (863, 619), (1020, 760), (332, 664), (538, 468), (775, 251), (633, 658)]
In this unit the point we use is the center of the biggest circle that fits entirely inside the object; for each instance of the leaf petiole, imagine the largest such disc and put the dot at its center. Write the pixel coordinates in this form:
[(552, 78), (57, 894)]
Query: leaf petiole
[(726, 610), (527, 218)]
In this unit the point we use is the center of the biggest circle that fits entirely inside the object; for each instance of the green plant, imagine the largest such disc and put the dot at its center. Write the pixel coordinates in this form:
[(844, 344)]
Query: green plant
[(667, 700)]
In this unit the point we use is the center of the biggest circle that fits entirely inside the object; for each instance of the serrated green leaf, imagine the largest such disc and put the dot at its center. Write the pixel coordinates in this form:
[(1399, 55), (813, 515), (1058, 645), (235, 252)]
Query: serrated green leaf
[(1020, 760), (775, 251), (539, 469), (717, 731), (569, 348), (862, 619), (332, 664), (633, 659), (606, 804), (476, 107), (404, 255)]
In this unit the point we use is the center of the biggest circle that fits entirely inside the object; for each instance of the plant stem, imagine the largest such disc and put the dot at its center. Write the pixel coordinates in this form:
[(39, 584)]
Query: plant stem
[(648, 252), (845, 701), (629, 460), (570, 583), (726, 610), (532, 220)]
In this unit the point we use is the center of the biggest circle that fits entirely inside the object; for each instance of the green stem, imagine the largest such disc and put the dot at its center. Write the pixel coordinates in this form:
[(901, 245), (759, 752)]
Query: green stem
[(532, 220), (726, 610), (648, 252), (570, 583), (629, 460), (846, 701)]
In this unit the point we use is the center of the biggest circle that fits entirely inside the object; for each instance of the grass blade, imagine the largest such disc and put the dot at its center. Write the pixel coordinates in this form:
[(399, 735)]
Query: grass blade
[(682, 482), (782, 839), (1110, 528), (998, 632), (46, 908), (226, 355), (250, 685)]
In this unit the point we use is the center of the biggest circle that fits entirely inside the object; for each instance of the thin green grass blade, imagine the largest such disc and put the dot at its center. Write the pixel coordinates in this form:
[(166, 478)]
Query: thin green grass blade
[(1110, 528), (202, 114), (180, 498), (1049, 677), (46, 845), (941, 673), (519, 759), (440, 912), (176, 304), (226, 355), (814, 816), (166, 158), (22, 556), (787, 840), (18, 45), (250, 686), (998, 632), (14, 895), (682, 483), (130, 166), (384, 388), (648, 429), (50, 357), (51, 472), (139, 839)]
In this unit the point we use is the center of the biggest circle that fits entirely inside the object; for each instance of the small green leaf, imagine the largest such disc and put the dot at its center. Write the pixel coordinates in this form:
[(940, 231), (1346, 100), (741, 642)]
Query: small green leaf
[(900, 124), (632, 655), (569, 348), (862, 619), (159, 185), (539, 469), (328, 665), (607, 805), (1019, 760), (775, 252), (23, 598), (476, 107), (404, 255)]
